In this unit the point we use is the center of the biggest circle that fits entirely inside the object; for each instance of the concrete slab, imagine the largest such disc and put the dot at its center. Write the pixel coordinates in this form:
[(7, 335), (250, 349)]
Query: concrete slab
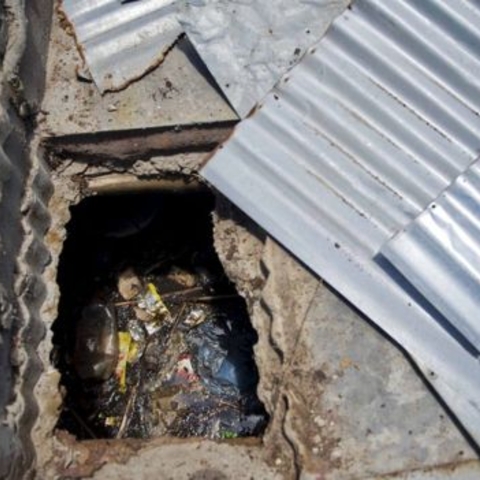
[(197, 460), (369, 413), (179, 92)]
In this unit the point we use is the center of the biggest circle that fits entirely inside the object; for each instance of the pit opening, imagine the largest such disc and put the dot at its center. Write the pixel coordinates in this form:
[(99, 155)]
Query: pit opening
[(152, 339)]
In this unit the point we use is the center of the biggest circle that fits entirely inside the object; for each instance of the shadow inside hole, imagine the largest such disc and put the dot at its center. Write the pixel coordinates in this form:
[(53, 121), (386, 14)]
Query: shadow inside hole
[(134, 364)]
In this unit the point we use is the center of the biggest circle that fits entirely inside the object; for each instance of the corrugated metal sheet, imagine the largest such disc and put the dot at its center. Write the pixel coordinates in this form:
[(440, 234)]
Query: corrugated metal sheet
[(121, 42), (357, 140), (439, 253), (248, 46)]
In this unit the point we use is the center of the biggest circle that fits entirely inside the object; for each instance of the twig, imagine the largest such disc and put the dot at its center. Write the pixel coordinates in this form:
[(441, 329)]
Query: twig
[(126, 415), (155, 265), (183, 292), (177, 319), (213, 298), (228, 404), (163, 260), (82, 423), (165, 296), (125, 304)]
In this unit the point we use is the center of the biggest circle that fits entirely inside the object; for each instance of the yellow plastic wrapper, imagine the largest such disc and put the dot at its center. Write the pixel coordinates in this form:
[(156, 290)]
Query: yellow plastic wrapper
[(128, 352), (124, 341), (152, 302), (112, 421), (133, 352)]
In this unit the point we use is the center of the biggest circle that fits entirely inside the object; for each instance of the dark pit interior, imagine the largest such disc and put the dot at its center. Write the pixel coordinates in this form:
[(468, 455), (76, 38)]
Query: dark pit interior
[(152, 338)]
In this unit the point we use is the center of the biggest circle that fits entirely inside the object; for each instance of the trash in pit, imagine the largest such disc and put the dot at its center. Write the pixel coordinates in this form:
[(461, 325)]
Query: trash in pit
[(152, 339)]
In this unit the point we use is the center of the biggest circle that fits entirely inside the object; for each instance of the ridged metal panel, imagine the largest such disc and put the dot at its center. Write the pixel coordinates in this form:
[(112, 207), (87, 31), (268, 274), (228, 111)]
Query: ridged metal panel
[(121, 42), (439, 253), (356, 141)]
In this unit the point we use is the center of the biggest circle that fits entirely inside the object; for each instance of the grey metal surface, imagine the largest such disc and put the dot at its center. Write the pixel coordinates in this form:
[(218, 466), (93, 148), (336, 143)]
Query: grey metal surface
[(439, 253), (121, 42), (248, 46), (374, 123)]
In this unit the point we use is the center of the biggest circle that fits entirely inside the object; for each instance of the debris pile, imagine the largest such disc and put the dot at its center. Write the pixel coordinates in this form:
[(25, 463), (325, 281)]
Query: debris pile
[(152, 338)]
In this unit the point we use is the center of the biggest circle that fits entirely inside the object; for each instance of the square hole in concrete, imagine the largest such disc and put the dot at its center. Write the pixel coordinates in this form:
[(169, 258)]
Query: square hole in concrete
[(152, 338)]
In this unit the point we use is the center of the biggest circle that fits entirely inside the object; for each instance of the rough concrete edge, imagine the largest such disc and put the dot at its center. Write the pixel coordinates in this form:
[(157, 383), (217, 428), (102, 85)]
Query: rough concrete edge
[(65, 194), (52, 451), (251, 259), (135, 144), (287, 298)]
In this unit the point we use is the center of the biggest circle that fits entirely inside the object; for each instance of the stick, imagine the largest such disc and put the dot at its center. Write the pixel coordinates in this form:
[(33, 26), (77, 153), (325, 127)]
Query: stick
[(213, 298), (177, 319), (133, 396), (82, 423), (165, 296), (186, 291), (229, 404), (126, 415), (155, 265), (125, 304)]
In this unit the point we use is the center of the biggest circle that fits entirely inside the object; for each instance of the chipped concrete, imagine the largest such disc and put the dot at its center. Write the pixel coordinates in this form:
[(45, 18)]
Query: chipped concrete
[(193, 460), (66, 193)]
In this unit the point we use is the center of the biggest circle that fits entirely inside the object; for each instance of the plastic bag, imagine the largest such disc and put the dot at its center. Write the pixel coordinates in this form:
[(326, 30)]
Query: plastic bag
[(96, 343)]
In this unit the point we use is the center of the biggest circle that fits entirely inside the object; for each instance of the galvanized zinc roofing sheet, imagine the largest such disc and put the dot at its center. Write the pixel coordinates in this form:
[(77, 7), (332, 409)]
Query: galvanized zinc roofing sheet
[(439, 253), (248, 46), (355, 142), (121, 42)]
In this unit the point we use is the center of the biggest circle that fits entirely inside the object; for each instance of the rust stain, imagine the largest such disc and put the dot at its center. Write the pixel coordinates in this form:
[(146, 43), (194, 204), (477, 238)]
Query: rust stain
[(156, 63), (346, 363), (84, 458)]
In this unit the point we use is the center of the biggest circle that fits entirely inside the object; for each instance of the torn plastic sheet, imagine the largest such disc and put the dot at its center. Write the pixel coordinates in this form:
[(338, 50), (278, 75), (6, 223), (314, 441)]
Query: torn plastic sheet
[(122, 41), (248, 46)]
